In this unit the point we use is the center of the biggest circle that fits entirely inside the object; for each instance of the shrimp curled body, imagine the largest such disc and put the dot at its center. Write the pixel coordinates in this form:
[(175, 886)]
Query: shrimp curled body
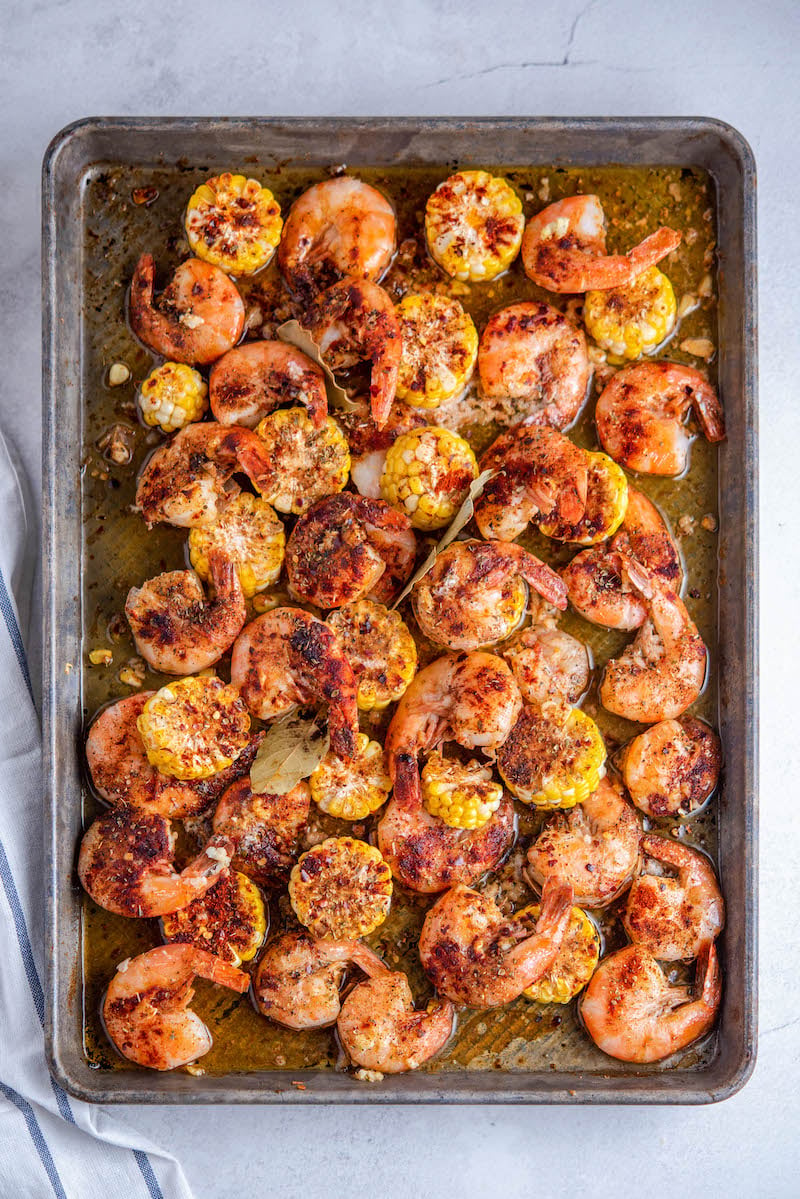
[(254, 379), (674, 917), (380, 1029), (197, 318)]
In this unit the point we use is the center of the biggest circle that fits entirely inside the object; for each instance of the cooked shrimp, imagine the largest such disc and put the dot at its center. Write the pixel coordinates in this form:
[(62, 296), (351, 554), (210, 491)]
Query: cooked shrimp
[(265, 829), (475, 593), (633, 1014), (475, 956), (663, 671), (355, 321), (531, 352), (146, 1008), (176, 629), (288, 657), (125, 864), (188, 481), (348, 546), (380, 1029), (541, 472), (672, 767), (641, 416), (564, 248), (122, 773), (596, 582), (550, 667), (336, 228), (468, 698), (253, 380), (674, 917), (594, 847), (299, 978), (197, 318)]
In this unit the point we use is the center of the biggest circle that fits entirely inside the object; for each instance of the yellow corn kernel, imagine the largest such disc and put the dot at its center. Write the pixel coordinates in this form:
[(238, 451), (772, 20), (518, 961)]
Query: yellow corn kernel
[(576, 960), (552, 763), (229, 920), (341, 889), (427, 474), (308, 463), (194, 727), (631, 321), (462, 795), (606, 505), (101, 657), (352, 790), (440, 347), (473, 224), (172, 396), (380, 649), (234, 223), (250, 534)]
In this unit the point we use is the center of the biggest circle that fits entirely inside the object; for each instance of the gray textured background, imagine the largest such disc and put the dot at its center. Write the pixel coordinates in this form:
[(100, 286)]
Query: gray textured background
[(737, 61)]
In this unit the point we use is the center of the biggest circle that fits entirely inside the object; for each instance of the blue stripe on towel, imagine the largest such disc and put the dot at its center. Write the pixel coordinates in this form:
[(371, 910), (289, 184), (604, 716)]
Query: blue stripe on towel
[(7, 611), (37, 1136)]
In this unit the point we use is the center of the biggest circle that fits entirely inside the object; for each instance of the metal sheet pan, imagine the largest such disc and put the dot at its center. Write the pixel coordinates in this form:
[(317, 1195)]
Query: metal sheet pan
[(701, 142)]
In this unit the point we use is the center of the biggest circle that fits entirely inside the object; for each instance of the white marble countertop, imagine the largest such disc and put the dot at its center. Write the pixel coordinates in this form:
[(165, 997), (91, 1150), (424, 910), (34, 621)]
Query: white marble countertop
[(734, 60)]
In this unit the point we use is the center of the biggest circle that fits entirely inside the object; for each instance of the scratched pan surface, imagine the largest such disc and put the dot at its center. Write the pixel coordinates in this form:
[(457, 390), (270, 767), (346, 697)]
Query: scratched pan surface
[(94, 550)]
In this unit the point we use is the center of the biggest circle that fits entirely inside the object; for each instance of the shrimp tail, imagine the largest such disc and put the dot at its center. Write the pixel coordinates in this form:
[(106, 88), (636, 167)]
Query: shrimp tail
[(544, 581), (207, 966), (708, 980), (654, 247), (556, 906), (407, 786)]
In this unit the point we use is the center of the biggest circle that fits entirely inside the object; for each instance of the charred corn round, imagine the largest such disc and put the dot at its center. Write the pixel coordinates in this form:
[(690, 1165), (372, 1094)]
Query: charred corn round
[(234, 223), (352, 790), (194, 727), (229, 920), (250, 534), (427, 474), (440, 347), (630, 321), (308, 463), (576, 960), (341, 889), (473, 224), (606, 505), (552, 763), (172, 396), (463, 795), (380, 649)]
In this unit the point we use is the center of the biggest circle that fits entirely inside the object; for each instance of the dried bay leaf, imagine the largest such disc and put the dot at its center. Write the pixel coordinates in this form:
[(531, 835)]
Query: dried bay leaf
[(292, 749), (293, 333)]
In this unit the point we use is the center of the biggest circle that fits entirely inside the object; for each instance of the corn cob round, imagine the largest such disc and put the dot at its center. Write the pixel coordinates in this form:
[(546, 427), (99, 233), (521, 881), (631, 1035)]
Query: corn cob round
[(308, 463), (234, 223), (380, 649), (631, 321), (440, 347), (250, 534), (576, 960), (172, 396), (552, 763), (473, 225), (229, 921), (341, 889), (606, 505), (194, 727), (352, 790), (427, 475), (463, 795)]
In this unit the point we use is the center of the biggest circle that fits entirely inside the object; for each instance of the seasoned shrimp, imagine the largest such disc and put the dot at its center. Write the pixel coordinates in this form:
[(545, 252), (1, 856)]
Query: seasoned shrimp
[(674, 917), (633, 1014), (663, 671), (672, 767), (550, 667), (594, 847), (299, 978), (265, 829), (176, 629), (336, 228), (197, 318), (540, 473), (346, 547), (531, 352), (380, 1029), (564, 248), (288, 657), (253, 380), (188, 481), (146, 1008), (355, 321), (125, 864), (122, 773), (477, 957), (596, 582), (475, 593), (641, 416)]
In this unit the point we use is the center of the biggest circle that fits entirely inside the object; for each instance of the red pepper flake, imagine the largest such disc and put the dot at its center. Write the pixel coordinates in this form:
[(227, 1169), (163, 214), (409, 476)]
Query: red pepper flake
[(144, 195), (301, 1086)]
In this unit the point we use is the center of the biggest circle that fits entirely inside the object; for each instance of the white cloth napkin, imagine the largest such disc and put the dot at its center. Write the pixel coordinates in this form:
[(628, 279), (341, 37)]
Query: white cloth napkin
[(50, 1144)]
